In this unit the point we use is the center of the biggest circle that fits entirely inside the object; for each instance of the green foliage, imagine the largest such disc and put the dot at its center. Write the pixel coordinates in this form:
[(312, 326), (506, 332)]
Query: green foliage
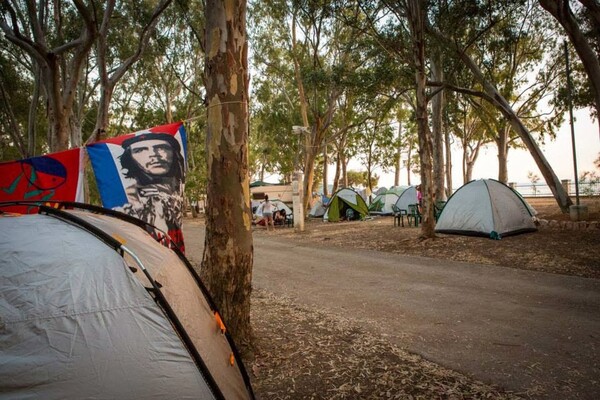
[(360, 178), (589, 181), (15, 87), (196, 182), (353, 55)]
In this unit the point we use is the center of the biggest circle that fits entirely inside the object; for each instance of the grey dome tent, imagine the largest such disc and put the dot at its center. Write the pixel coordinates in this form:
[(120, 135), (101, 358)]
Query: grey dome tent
[(94, 307), (318, 209), (485, 207), (406, 196)]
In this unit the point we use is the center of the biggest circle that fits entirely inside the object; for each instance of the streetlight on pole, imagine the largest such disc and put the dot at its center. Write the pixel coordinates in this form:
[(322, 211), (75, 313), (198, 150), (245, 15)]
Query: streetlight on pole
[(297, 186)]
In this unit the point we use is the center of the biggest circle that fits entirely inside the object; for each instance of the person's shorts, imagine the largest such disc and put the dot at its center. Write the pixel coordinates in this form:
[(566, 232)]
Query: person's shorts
[(268, 216)]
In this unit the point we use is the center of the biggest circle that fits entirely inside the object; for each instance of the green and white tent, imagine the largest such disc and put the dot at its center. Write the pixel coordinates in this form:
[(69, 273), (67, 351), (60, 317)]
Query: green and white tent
[(343, 200), (94, 307), (398, 189), (382, 204), (486, 207)]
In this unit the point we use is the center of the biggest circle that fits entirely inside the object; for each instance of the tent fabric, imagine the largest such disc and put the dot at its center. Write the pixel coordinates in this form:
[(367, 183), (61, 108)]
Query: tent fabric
[(342, 200), (382, 204), (485, 207), (277, 204), (398, 189), (406, 196), (79, 323), (319, 207), (380, 190), (261, 183)]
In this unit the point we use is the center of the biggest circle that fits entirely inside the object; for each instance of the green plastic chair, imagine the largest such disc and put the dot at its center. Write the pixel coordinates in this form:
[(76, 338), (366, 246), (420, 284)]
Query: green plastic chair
[(398, 215), (414, 214), (438, 207)]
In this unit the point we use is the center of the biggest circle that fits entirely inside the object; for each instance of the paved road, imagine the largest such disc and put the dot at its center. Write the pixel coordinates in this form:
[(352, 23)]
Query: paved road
[(525, 331)]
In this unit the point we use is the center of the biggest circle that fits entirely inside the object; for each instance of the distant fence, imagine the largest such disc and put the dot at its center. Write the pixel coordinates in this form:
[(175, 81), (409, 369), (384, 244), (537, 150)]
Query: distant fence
[(542, 190)]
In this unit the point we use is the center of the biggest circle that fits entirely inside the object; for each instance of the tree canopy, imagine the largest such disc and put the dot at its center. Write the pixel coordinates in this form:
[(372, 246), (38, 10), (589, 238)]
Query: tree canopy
[(339, 69)]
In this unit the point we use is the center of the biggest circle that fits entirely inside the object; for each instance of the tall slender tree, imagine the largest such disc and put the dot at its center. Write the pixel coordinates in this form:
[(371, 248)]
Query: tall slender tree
[(111, 67), (228, 248), (416, 12)]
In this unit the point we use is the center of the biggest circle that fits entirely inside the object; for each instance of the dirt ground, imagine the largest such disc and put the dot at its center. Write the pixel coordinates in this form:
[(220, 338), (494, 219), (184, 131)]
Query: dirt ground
[(304, 353), (561, 249)]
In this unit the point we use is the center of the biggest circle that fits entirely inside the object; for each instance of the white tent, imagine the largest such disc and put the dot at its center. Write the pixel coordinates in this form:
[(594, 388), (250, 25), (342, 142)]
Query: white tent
[(318, 209), (93, 307), (406, 196), (485, 207), (379, 191), (277, 204)]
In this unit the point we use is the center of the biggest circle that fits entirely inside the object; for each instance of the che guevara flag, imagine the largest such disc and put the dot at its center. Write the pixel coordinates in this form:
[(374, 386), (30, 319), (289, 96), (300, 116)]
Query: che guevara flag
[(52, 177), (142, 174)]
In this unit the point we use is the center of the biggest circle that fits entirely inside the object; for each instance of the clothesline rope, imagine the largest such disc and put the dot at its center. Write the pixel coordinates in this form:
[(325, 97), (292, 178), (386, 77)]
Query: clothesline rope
[(226, 102), (214, 105)]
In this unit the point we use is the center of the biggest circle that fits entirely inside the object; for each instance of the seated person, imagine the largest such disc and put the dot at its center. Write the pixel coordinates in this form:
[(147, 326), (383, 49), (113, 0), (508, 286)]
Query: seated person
[(350, 214), (279, 217)]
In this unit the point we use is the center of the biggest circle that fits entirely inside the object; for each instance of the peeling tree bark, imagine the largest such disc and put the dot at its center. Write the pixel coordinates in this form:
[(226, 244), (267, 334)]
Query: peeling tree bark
[(228, 249), (416, 17), (437, 126)]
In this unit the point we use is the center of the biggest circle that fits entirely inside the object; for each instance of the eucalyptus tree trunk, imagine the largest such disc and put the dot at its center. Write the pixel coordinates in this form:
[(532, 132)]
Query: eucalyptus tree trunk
[(108, 80), (321, 120), (336, 177), (325, 162), (228, 248), (398, 160), (345, 172), (33, 108), (449, 183), (437, 125), (309, 162), (416, 18), (408, 165), (60, 105), (502, 144), (11, 124)]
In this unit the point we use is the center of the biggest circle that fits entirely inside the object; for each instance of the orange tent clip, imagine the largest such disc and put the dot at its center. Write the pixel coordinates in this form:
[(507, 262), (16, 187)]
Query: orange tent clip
[(220, 322)]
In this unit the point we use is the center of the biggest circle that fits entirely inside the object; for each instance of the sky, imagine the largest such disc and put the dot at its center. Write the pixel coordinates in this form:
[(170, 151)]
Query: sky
[(559, 154)]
